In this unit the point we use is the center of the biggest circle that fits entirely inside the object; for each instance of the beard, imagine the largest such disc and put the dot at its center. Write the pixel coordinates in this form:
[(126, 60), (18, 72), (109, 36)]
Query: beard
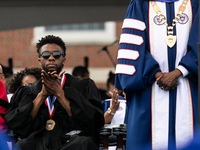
[(58, 69)]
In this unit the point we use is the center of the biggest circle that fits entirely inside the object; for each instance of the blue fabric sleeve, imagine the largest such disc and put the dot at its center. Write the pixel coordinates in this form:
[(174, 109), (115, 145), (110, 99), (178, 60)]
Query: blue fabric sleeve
[(145, 65), (190, 60)]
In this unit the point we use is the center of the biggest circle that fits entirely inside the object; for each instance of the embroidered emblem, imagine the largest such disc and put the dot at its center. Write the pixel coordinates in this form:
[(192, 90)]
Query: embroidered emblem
[(157, 20), (183, 19)]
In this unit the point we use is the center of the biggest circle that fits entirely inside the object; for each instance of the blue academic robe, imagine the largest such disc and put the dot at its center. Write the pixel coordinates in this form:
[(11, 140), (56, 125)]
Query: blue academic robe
[(159, 117)]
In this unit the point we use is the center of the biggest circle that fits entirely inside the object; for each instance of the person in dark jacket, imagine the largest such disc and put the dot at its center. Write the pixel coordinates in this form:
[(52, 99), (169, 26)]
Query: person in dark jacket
[(59, 111)]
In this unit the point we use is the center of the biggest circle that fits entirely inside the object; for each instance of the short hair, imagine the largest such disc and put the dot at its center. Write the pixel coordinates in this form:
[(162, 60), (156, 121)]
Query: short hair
[(49, 39), (80, 70), (111, 79), (16, 80)]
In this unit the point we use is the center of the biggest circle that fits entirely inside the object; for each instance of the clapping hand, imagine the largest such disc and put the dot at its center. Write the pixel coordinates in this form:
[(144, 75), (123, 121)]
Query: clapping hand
[(51, 82)]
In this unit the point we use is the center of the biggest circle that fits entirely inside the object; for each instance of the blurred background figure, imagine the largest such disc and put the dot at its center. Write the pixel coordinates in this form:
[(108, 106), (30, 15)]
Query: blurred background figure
[(3, 106), (5, 138), (115, 107), (2, 76), (26, 76), (110, 85), (80, 72), (7, 72)]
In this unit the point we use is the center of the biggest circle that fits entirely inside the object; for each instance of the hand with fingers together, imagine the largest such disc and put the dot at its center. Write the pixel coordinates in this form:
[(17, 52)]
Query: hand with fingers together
[(168, 81), (51, 82), (115, 102), (113, 108)]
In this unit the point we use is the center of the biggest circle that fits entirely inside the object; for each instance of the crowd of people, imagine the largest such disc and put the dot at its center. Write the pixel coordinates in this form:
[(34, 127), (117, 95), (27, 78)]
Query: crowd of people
[(154, 90), (56, 110), (25, 83)]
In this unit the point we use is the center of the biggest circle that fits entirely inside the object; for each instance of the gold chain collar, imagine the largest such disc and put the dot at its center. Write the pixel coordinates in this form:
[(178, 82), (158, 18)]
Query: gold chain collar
[(170, 39)]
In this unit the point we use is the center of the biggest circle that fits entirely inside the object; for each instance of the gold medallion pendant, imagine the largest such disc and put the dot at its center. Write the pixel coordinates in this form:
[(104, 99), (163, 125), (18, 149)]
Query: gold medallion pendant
[(170, 40), (50, 124)]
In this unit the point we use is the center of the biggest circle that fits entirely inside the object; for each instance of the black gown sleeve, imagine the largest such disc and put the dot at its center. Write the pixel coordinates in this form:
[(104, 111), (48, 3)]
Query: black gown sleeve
[(86, 108), (18, 115), (85, 103)]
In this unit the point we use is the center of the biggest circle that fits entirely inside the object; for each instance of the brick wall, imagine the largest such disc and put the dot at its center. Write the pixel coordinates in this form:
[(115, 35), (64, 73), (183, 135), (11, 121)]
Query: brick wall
[(16, 44)]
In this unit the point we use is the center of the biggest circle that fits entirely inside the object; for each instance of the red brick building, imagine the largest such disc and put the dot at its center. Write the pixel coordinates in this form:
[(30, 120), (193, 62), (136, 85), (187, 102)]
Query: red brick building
[(20, 46)]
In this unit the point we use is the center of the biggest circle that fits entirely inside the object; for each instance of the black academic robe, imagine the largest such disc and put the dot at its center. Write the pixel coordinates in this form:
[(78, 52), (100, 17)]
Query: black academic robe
[(86, 108)]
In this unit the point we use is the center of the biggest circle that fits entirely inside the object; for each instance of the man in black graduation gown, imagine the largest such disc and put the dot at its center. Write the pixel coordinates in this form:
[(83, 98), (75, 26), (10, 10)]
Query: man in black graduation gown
[(59, 112)]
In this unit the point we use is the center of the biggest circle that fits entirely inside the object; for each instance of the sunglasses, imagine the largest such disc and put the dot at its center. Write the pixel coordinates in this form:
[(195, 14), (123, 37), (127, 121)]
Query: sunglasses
[(56, 55)]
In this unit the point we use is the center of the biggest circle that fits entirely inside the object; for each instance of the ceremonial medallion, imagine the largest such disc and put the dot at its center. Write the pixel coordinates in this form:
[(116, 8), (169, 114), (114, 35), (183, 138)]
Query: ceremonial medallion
[(170, 40), (50, 124)]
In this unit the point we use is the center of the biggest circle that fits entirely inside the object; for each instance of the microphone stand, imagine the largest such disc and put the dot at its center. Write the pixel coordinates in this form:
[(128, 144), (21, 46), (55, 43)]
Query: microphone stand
[(105, 48)]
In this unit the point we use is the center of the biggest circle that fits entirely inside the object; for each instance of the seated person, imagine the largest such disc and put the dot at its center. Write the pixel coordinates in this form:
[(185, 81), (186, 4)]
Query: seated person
[(3, 106), (59, 111), (22, 78), (81, 72), (115, 108), (110, 84), (2, 78), (115, 104), (115, 111)]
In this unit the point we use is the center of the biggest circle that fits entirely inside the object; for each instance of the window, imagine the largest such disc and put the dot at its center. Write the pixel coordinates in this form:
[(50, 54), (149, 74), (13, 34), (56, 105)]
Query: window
[(79, 34), (77, 27)]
